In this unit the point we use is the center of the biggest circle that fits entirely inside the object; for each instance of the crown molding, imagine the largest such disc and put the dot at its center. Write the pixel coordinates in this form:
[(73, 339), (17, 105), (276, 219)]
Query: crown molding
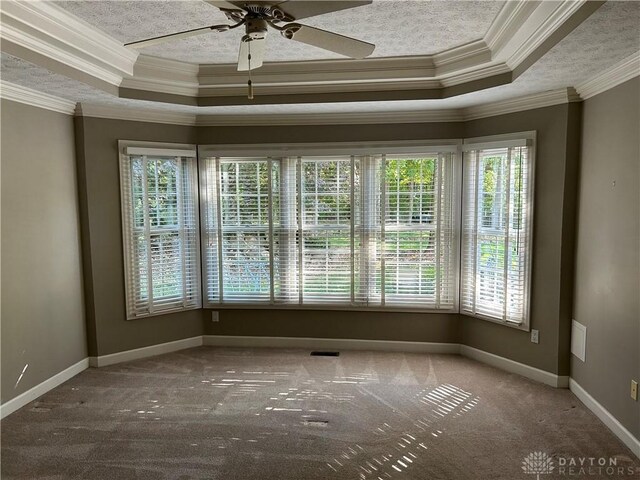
[(164, 76), (528, 102), (471, 55), (46, 29), (541, 22), (347, 118), (342, 88), (509, 20), (134, 114), (324, 72), (612, 77), (28, 96), (476, 74)]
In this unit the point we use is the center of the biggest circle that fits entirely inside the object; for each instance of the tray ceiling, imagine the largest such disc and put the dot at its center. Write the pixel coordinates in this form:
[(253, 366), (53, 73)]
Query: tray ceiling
[(605, 38), (396, 27)]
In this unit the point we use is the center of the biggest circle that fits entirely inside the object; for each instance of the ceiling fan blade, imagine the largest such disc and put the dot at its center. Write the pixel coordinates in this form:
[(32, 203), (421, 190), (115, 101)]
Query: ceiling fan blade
[(173, 36), (347, 46), (254, 45), (226, 5), (310, 8)]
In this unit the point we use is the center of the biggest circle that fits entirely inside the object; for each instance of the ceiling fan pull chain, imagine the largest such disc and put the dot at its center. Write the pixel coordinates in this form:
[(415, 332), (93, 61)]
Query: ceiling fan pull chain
[(250, 94)]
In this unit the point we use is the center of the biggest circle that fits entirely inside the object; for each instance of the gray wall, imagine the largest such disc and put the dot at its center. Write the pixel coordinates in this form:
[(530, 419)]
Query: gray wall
[(411, 327), (557, 150), (42, 306), (551, 281), (334, 324), (607, 279), (99, 189)]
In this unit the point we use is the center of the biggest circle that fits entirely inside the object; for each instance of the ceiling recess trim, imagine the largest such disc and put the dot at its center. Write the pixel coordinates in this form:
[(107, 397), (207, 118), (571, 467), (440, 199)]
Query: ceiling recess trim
[(528, 102), (134, 114), (525, 36), (28, 96), (619, 73), (538, 100)]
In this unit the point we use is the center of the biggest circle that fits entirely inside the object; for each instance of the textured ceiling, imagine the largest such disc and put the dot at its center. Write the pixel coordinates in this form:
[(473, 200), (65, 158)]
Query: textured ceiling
[(396, 27), (605, 38)]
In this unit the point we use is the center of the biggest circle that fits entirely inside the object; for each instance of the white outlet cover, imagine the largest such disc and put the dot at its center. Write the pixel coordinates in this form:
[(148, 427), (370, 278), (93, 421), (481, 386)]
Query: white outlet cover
[(215, 317), (578, 340), (535, 336)]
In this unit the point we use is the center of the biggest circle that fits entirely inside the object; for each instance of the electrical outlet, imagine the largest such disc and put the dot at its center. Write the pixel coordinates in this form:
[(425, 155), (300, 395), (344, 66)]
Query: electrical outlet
[(634, 390), (535, 336), (215, 316)]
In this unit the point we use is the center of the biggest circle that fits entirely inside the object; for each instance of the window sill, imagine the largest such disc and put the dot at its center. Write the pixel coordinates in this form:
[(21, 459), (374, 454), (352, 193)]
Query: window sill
[(163, 312), (526, 327), (328, 307)]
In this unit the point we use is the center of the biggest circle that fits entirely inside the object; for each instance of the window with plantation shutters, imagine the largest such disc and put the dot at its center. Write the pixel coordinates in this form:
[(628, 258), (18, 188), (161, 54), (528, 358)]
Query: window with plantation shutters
[(342, 230), (239, 230), (159, 192), (497, 217)]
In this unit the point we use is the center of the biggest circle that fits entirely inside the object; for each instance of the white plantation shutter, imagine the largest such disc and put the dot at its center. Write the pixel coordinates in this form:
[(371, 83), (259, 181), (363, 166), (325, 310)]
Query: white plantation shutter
[(160, 231), (419, 231), (210, 213), (239, 229), (368, 232), (285, 230), (326, 251), (497, 217)]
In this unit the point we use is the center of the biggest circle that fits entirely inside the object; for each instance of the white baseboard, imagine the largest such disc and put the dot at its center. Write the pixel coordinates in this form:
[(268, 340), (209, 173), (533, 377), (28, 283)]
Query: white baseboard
[(42, 388), (603, 414), (137, 353), (329, 343), (542, 376)]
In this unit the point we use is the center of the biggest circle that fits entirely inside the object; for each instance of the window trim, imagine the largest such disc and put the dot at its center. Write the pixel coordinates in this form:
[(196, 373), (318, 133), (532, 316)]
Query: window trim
[(278, 150), (527, 138), (161, 148)]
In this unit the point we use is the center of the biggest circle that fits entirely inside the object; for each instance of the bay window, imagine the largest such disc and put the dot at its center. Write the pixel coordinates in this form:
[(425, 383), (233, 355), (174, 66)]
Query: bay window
[(427, 228)]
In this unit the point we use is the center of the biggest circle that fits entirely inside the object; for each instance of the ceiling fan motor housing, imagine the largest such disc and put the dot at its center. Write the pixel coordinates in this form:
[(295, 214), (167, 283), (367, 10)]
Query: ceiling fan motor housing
[(256, 27)]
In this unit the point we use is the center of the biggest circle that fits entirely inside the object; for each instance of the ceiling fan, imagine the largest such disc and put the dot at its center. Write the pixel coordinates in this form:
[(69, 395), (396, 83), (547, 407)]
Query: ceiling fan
[(257, 16)]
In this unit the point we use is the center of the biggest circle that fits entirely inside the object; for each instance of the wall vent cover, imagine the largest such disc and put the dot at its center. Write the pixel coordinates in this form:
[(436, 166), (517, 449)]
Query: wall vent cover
[(324, 354), (315, 423)]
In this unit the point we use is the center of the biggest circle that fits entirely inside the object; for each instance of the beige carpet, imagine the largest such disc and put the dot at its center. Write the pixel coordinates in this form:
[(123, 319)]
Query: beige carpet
[(214, 413)]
